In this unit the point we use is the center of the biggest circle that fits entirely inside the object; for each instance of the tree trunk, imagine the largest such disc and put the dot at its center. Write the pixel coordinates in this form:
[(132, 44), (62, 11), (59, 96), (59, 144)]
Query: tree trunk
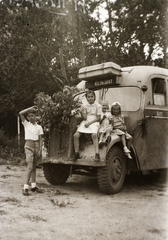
[(109, 21), (61, 58), (81, 46), (61, 50)]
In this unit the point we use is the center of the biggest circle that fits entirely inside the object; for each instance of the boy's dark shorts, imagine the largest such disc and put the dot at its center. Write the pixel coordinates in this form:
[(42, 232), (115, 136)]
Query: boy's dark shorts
[(31, 150)]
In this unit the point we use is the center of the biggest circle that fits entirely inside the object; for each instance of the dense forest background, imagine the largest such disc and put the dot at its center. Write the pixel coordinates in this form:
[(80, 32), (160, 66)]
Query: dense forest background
[(43, 44)]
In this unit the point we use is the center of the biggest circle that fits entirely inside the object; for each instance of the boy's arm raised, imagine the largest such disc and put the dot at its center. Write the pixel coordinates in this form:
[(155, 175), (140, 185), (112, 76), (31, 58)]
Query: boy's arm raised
[(22, 113)]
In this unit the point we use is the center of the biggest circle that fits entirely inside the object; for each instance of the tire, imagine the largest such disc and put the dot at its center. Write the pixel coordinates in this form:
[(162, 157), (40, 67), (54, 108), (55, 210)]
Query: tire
[(111, 177), (56, 174)]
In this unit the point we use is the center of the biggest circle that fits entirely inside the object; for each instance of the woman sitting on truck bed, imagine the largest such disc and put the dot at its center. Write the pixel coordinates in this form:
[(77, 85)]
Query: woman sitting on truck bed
[(90, 113)]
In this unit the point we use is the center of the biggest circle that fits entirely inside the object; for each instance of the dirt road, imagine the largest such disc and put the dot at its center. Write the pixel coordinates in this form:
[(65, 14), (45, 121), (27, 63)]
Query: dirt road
[(79, 211)]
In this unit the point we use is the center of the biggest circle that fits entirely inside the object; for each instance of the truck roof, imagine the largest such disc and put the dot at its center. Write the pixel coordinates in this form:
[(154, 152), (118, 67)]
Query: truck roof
[(138, 75), (110, 74)]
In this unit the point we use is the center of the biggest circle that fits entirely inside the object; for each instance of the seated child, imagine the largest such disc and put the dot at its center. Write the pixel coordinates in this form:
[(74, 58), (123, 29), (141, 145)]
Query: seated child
[(119, 127), (90, 113), (104, 125)]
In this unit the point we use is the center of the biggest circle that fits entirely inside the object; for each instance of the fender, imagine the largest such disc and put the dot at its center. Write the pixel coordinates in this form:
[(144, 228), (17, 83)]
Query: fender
[(115, 139)]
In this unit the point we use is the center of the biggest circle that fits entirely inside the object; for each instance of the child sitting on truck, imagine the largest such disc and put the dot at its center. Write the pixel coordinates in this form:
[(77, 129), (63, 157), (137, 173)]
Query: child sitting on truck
[(104, 125), (119, 127), (90, 113)]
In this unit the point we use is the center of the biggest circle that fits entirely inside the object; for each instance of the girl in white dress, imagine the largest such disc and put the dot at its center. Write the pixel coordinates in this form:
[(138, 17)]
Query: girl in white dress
[(91, 113)]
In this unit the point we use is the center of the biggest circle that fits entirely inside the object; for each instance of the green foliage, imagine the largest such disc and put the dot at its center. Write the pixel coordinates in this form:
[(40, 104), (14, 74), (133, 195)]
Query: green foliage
[(55, 111), (9, 151), (9, 155), (137, 25), (31, 38), (27, 49), (42, 51)]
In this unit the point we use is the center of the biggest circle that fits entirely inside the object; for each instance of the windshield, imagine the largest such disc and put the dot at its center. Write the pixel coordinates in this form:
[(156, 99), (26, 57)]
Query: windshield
[(128, 97)]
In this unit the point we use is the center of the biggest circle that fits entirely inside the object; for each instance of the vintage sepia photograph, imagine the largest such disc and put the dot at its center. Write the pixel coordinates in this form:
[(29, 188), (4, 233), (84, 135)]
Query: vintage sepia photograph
[(84, 120)]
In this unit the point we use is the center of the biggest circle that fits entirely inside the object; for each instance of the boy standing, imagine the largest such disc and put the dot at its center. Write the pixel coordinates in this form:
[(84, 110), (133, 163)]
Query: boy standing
[(33, 146)]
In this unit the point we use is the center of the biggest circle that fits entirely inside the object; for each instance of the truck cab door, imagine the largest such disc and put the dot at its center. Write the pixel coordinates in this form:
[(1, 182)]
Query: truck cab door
[(156, 137)]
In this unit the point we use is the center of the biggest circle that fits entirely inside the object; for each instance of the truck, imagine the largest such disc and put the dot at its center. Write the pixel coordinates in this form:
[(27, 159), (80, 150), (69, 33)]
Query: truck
[(142, 92)]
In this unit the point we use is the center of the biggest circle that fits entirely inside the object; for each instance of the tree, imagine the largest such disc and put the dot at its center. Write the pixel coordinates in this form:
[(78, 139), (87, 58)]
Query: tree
[(26, 57), (38, 50), (42, 46), (164, 4), (137, 30)]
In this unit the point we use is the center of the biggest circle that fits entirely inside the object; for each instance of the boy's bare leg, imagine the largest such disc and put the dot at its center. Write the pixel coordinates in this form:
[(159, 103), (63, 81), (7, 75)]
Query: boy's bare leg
[(33, 174), (29, 172), (34, 187)]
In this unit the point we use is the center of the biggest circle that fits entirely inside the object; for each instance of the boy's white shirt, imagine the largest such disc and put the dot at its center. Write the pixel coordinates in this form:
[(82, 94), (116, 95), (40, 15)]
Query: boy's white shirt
[(32, 131)]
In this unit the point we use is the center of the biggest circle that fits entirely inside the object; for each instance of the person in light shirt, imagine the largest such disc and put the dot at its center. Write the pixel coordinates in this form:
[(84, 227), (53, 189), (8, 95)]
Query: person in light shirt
[(33, 147), (90, 112)]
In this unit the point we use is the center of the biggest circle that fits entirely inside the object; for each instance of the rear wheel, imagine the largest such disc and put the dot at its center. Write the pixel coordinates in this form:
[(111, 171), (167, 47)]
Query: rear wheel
[(111, 177), (56, 174)]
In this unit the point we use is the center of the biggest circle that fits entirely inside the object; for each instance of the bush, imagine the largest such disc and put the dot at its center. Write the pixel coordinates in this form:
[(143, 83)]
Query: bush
[(55, 111), (9, 150)]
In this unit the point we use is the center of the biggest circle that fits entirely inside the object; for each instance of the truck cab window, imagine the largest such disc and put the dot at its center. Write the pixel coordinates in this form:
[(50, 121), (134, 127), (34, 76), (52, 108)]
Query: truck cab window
[(159, 91)]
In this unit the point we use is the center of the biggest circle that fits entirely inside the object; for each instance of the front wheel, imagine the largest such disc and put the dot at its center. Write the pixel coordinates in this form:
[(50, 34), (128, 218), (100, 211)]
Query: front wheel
[(111, 177), (56, 174)]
